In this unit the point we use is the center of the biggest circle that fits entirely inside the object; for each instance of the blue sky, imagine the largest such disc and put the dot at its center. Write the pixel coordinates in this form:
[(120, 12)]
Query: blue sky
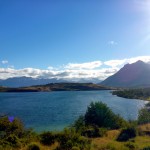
[(57, 33)]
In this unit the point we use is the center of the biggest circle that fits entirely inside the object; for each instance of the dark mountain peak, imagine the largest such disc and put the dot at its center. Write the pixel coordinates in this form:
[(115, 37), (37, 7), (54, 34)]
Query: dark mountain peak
[(137, 63), (131, 75)]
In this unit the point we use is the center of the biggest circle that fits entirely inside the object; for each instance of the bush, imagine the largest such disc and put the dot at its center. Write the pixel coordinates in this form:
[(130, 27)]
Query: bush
[(47, 138), (69, 139), (14, 126), (33, 146), (127, 134), (146, 148), (98, 114), (79, 124), (94, 132), (144, 116), (131, 146), (13, 141)]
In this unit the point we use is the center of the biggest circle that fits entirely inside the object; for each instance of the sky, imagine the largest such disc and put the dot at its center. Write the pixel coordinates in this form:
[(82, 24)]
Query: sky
[(72, 38)]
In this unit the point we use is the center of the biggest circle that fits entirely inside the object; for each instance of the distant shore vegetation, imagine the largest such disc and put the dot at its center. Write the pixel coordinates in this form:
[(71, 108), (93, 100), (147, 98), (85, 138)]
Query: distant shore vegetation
[(142, 93), (98, 129)]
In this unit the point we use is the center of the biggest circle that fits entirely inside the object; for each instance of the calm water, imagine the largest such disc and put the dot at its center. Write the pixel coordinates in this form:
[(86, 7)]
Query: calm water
[(56, 110)]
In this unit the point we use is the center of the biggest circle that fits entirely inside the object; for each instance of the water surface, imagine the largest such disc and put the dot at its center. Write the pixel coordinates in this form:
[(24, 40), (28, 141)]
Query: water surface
[(56, 110)]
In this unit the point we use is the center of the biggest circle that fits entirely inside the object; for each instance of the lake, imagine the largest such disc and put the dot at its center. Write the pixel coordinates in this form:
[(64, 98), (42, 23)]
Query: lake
[(56, 110)]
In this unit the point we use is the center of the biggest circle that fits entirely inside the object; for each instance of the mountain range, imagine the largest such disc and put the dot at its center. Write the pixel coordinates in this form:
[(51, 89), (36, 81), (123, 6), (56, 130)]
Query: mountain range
[(131, 75)]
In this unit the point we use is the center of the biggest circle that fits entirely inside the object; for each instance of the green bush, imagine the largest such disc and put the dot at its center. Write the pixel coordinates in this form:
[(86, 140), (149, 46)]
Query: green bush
[(127, 134), (144, 116), (13, 141), (69, 139), (47, 138), (79, 124), (93, 132), (99, 114), (11, 127), (13, 133), (33, 146)]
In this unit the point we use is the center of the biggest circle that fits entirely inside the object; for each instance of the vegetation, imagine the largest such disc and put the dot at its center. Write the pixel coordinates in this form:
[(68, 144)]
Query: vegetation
[(143, 94), (99, 114), (98, 129), (127, 134)]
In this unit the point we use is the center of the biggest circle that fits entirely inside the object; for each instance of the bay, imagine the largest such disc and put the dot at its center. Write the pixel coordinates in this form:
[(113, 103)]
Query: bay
[(45, 111)]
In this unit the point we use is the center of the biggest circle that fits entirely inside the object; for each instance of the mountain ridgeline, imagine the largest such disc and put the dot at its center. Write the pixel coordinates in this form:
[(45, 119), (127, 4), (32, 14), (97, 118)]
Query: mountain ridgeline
[(130, 76)]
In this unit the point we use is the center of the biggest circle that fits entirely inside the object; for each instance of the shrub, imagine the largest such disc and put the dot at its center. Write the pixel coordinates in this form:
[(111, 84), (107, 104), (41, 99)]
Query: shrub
[(33, 146), (144, 116), (100, 115), (69, 139), (131, 146), (47, 138), (93, 132), (14, 126), (13, 141), (126, 134), (79, 124)]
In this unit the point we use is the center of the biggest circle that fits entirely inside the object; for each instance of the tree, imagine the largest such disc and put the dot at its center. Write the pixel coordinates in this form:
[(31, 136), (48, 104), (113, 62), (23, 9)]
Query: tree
[(101, 115)]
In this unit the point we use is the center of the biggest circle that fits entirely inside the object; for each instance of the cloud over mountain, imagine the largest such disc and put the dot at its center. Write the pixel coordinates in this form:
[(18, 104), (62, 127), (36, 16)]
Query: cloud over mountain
[(95, 69)]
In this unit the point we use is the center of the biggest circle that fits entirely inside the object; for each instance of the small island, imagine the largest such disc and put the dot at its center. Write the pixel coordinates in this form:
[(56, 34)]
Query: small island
[(58, 87)]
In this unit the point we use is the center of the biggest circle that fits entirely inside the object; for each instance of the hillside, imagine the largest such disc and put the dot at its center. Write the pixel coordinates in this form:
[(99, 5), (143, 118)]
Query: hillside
[(27, 81), (131, 75), (57, 87)]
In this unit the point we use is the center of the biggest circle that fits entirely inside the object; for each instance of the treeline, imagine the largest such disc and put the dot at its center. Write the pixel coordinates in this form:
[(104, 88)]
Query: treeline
[(96, 122), (143, 94)]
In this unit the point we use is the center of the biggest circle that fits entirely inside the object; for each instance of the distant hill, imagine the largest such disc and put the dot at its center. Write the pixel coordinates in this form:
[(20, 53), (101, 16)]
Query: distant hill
[(131, 75), (57, 87), (28, 81)]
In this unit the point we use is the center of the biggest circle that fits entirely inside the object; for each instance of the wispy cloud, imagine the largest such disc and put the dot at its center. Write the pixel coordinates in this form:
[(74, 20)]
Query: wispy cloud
[(112, 43), (4, 61), (73, 71), (88, 65)]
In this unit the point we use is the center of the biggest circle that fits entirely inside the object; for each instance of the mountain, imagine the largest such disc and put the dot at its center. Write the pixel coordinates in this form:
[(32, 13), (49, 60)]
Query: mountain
[(131, 75), (27, 81)]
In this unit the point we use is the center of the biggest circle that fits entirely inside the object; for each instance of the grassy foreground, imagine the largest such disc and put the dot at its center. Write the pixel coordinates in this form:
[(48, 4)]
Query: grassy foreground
[(108, 142)]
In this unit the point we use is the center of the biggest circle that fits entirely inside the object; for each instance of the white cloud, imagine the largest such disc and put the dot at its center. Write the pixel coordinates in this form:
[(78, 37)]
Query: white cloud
[(5, 62), (50, 68), (96, 69), (88, 65), (121, 62), (115, 63)]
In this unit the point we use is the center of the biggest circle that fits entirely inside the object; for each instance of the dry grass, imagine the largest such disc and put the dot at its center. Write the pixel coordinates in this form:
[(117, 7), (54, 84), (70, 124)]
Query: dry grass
[(109, 141), (145, 127)]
